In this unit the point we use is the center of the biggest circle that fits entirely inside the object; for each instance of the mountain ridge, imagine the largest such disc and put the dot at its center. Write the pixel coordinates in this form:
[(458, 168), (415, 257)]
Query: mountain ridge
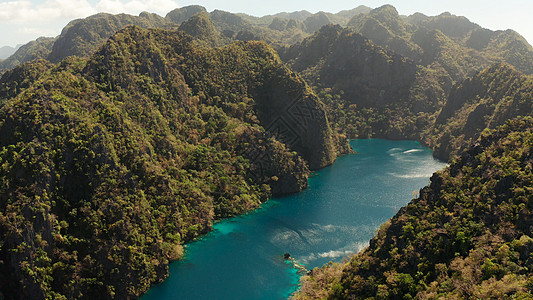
[(259, 27)]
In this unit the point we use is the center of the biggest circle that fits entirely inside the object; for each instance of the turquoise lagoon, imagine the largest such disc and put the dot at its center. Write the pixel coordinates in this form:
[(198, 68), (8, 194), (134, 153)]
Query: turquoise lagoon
[(242, 258)]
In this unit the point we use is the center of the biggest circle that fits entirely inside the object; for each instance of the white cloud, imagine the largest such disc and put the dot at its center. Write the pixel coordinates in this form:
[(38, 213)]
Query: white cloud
[(135, 6), (25, 20), (37, 31), (23, 11)]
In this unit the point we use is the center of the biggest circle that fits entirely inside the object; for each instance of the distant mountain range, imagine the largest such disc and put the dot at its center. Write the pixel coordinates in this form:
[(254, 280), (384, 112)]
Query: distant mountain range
[(7, 51), (384, 26)]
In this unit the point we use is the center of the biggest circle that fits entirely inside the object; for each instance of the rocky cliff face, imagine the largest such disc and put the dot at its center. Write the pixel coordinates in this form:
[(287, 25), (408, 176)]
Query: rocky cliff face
[(180, 15), (289, 110), (372, 83), (384, 27), (316, 21), (485, 101), (455, 27), (368, 75)]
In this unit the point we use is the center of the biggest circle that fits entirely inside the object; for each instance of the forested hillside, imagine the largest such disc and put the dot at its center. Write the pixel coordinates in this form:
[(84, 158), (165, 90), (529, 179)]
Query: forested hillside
[(485, 101), (108, 164), (37, 49), (468, 234)]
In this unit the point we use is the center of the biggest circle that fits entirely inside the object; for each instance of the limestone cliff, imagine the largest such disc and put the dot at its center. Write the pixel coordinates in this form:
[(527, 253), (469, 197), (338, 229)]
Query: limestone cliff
[(485, 101)]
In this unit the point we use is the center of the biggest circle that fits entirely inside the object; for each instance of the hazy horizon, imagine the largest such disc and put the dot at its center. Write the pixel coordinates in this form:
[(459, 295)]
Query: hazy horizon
[(25, 20)]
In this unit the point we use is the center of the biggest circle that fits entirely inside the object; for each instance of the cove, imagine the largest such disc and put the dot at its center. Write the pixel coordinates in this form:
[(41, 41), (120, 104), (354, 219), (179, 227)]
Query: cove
[(242, 258)]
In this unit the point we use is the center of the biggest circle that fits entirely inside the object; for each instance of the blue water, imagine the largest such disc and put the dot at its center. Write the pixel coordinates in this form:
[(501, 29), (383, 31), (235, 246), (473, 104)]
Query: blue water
[(336, 216)]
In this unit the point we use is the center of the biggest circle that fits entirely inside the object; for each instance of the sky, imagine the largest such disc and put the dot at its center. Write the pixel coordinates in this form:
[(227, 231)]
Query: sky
[(24, 20)]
